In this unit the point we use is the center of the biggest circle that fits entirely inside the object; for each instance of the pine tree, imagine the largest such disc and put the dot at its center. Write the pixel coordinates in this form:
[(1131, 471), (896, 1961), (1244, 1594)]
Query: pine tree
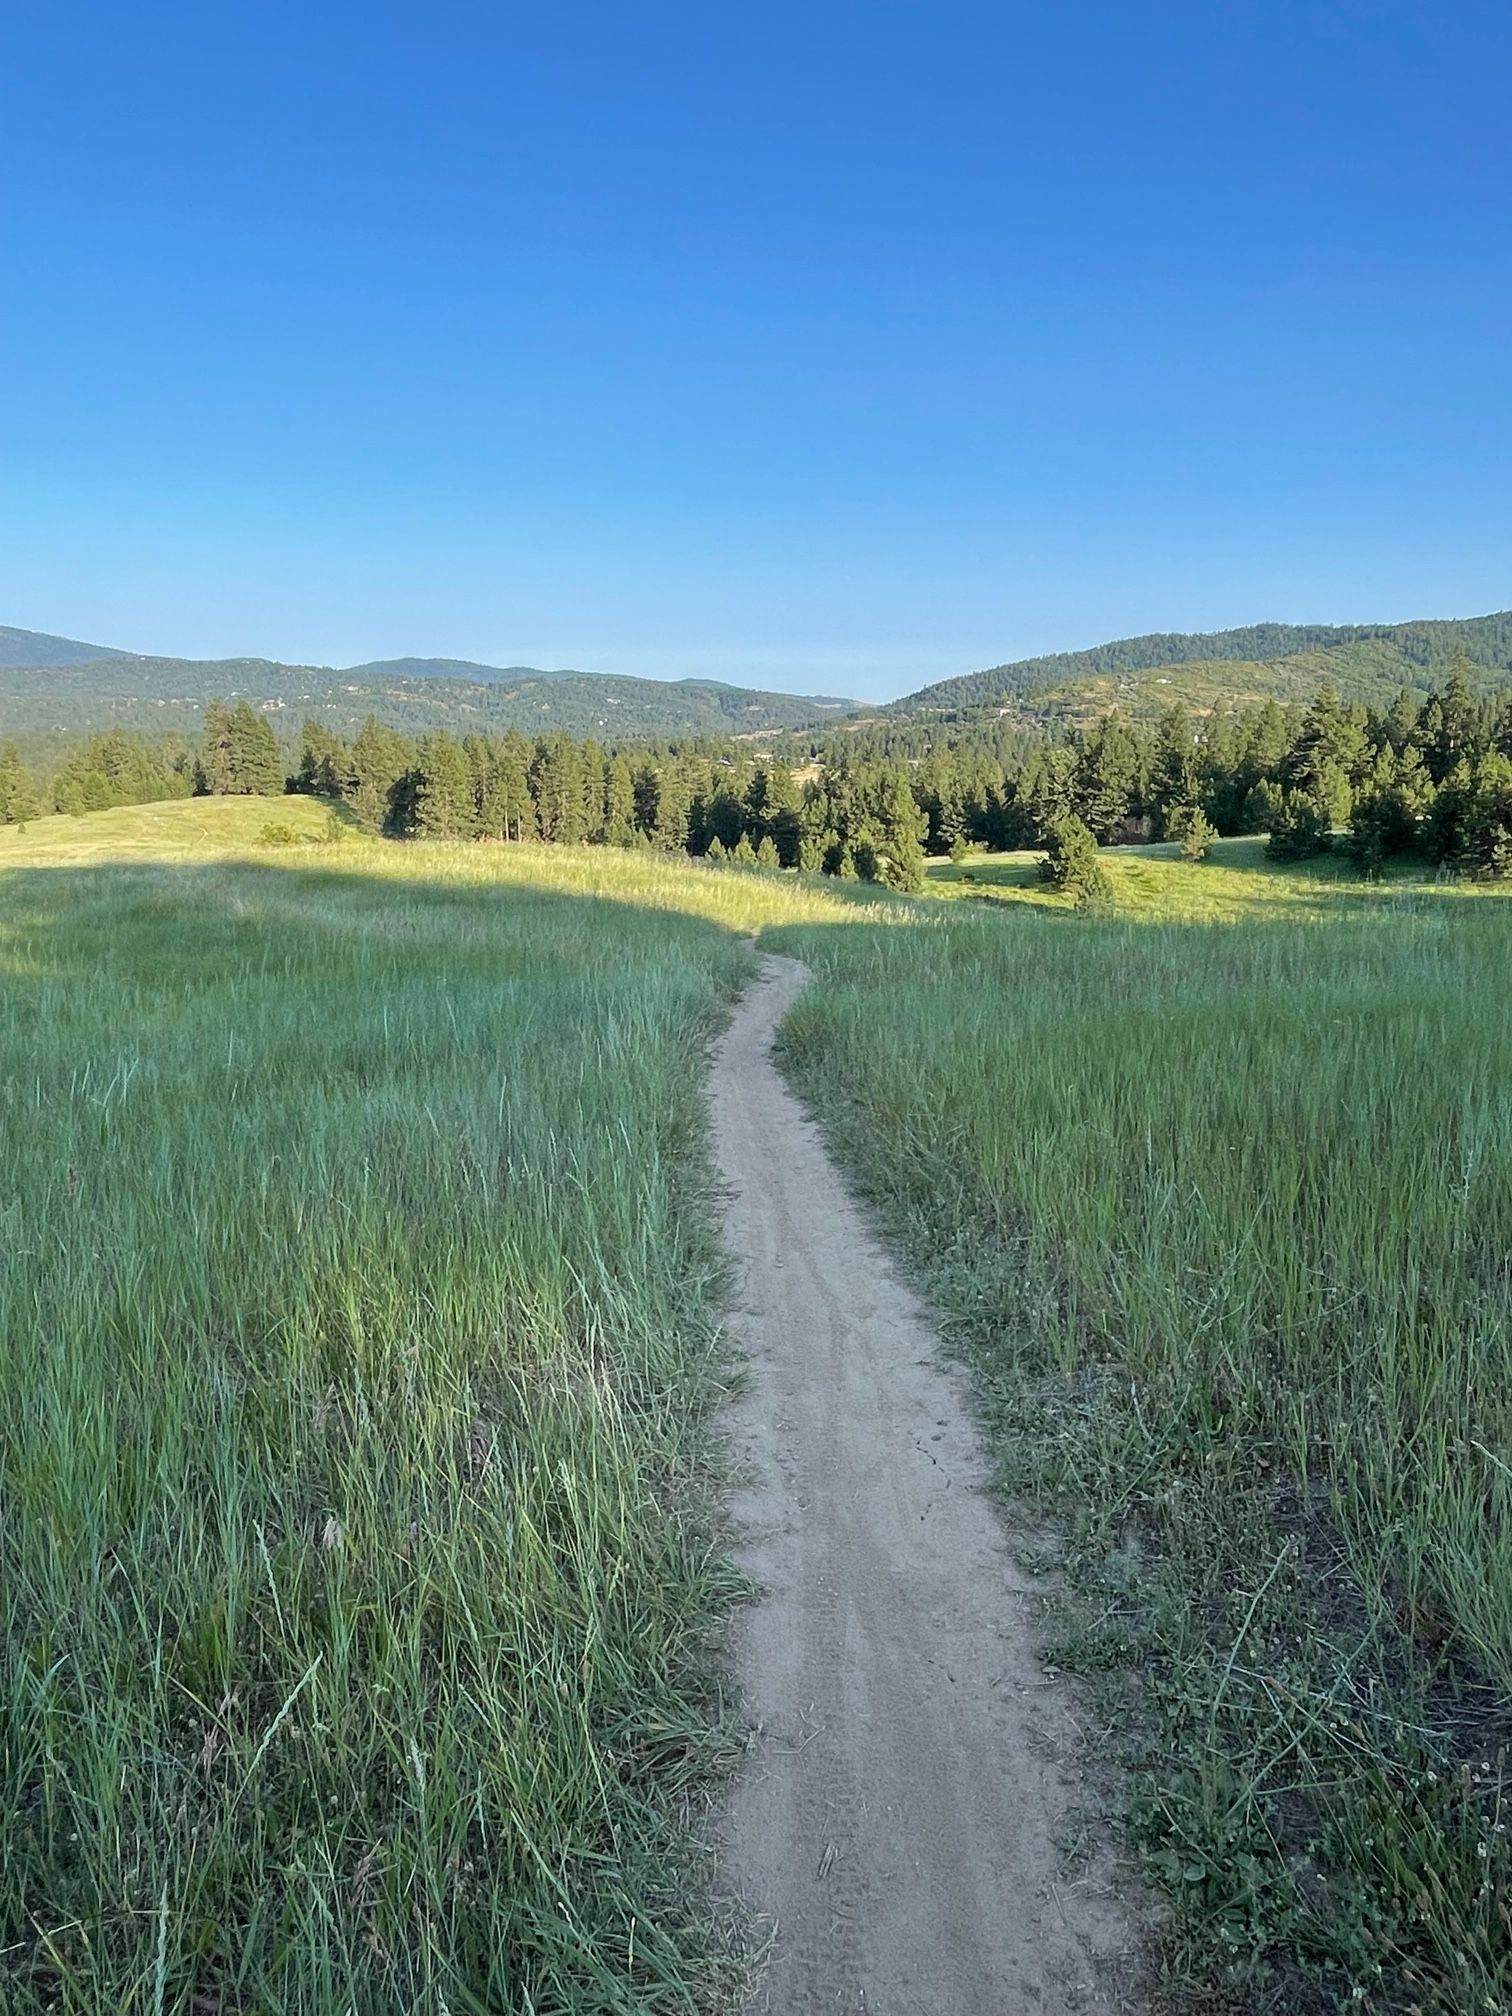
[(379, 758), (443, 805), (1047, 790), (901, 828), (322, 762), (674, 806), (256, 769), (1174, 770), (1107, 787), (1326, 757), (556, 784), (619, 802), (1197, 835), (214, 773), (1446, 726), (516, 807), (20, 799), (1389, 807), (1299, 827), (1399, 728), (725, 816), (487, 800), (783, 803)]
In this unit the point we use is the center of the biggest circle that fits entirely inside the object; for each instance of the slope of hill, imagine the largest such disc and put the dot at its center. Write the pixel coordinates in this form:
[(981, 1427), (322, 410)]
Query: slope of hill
[(1282, 661), (40, 703), (37, 648)]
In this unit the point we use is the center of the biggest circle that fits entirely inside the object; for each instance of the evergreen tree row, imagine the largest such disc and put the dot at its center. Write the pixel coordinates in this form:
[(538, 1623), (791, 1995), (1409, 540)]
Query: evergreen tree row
[(857, 819)]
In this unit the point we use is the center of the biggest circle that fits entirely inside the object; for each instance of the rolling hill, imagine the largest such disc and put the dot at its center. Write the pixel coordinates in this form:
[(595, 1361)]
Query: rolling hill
[(1282, 661), (53, 687)]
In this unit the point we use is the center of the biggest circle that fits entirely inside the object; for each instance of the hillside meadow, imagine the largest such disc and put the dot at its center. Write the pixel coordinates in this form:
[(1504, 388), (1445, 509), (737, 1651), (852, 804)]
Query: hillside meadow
[(361, 1315)]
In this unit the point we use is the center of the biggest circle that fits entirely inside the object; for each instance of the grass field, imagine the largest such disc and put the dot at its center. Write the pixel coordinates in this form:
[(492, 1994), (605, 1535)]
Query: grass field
[(357, 1566), (360, 1567)]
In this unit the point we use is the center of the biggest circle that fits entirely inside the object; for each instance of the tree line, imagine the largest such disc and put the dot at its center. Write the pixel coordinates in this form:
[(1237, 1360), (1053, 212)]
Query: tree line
[(856, 819), (1431, 775)]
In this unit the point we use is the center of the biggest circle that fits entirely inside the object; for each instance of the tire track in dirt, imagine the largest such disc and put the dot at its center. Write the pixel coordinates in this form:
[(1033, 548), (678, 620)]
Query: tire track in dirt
[(911, 1768)]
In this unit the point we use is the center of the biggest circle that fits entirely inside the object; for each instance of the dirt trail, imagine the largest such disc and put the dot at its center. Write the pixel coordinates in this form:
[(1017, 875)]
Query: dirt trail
[(899, 1815)]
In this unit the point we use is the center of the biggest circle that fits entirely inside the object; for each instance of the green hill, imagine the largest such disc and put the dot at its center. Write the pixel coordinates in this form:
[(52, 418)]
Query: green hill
[(56, 696), (1282, 661)]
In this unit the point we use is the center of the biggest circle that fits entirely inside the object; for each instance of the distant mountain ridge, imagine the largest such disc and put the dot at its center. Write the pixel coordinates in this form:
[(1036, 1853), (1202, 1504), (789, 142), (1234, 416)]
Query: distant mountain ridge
[(35, 649), (1282, 661), (53, 687)]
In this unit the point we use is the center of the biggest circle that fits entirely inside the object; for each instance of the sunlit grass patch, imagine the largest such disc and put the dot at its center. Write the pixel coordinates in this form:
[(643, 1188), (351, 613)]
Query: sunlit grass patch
[(1237, 883)]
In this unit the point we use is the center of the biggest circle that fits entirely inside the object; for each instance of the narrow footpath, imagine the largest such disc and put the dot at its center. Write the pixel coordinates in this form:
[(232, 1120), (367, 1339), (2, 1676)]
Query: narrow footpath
[(913, 1765)]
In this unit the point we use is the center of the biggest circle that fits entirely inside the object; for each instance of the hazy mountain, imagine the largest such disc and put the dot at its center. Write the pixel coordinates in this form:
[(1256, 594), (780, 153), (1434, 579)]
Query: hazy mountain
[(55, 695), (36, 648), (1283, 661)]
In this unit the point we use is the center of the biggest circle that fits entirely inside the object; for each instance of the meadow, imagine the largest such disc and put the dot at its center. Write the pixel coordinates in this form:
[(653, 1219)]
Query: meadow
[(361, 1577), (1238, 883), (359, 1568)]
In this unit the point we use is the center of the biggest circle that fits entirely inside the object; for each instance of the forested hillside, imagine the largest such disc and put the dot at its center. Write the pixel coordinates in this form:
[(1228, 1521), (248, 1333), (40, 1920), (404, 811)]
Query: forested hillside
[(54, 688), (1368, 663), (48, 698)]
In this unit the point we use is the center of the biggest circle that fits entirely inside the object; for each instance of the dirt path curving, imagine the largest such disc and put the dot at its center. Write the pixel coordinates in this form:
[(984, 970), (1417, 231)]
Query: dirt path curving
[(899, 1814)]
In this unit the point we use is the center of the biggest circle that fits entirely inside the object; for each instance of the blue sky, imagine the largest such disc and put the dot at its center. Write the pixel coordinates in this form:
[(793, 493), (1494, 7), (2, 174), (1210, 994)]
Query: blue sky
[(828, 346)]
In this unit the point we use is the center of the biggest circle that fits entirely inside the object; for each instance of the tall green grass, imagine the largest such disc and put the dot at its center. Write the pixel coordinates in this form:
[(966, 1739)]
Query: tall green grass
[(1223, 1217), (359, 1297), (358, 1300)]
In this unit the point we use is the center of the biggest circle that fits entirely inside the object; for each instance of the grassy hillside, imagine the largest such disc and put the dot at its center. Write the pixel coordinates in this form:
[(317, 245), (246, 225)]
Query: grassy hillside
[(38, 706), (1143, 675), (177, 830)]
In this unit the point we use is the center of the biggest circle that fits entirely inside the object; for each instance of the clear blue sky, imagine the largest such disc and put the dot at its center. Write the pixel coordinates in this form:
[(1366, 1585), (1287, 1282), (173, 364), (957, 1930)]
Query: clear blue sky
[(827, 346)]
